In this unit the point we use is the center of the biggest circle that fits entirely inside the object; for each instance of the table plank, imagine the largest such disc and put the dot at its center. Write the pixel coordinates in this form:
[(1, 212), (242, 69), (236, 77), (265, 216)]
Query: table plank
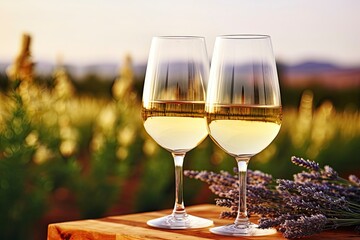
[(133, 227)]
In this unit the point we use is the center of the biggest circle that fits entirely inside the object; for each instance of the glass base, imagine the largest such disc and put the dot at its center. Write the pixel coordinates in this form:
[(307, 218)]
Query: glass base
[(242, 230), (172, 222)]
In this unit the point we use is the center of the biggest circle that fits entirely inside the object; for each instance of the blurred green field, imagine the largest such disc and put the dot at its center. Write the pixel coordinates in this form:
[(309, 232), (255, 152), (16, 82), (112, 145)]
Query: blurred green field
[(70, 154)]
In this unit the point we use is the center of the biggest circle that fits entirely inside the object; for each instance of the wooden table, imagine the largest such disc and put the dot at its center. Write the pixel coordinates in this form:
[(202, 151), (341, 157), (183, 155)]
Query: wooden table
[(133, 226)]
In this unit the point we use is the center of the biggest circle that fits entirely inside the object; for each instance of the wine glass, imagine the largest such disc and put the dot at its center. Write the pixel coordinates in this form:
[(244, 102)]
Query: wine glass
[(243, 110), (173, 110)]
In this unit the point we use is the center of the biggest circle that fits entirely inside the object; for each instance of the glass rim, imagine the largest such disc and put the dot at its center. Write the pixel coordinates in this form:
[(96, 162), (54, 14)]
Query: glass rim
[(178, 37), (244, 36)]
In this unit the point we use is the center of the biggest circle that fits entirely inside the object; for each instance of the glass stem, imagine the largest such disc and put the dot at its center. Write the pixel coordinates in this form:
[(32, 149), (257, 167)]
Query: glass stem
[(242, 219), (179, 208)]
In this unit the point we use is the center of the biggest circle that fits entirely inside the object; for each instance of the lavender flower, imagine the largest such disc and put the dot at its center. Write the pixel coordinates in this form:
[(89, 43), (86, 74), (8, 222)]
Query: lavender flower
[(307, 177), (276, 222), (258, 177), (303, 226), (310, 165), (315, 200), (355, 180), (330, 173), (226, 214)]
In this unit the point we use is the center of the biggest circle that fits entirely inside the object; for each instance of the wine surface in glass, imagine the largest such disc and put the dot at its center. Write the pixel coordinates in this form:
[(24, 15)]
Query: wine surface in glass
[(177, 126), (244, 129)]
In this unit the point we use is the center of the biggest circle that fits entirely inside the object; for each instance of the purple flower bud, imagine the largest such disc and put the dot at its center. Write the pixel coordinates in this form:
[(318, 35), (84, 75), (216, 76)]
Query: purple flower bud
[(304, 226), (310, 165), (354, 179), (329, 173)]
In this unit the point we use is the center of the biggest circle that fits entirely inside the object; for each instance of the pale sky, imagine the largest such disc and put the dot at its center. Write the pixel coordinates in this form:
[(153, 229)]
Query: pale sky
[(89, 31)]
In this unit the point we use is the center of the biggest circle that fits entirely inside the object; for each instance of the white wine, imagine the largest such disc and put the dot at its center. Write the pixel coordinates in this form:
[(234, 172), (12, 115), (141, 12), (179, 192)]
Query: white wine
[(244, 130), (177, 126)]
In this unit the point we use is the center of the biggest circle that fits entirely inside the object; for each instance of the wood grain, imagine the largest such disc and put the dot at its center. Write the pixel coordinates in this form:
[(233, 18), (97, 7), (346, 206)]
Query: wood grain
[(133, 226)]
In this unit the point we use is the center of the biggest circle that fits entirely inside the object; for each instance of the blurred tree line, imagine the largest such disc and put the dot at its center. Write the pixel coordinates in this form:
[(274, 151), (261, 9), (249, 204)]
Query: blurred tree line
[(340, 98), (95, 85)]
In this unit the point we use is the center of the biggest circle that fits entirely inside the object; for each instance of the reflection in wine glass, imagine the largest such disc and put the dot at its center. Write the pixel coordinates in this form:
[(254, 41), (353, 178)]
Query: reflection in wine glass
[(243, 110), (173, 110)]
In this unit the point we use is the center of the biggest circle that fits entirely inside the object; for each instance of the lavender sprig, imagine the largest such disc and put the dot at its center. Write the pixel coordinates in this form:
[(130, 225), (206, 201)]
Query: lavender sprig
[(316, 199), (310, 165), (355, 180), (303, 226)]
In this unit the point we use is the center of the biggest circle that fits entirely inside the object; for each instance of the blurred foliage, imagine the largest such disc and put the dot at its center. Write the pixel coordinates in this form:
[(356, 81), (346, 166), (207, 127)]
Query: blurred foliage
[(22, 190), (86, 138)]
